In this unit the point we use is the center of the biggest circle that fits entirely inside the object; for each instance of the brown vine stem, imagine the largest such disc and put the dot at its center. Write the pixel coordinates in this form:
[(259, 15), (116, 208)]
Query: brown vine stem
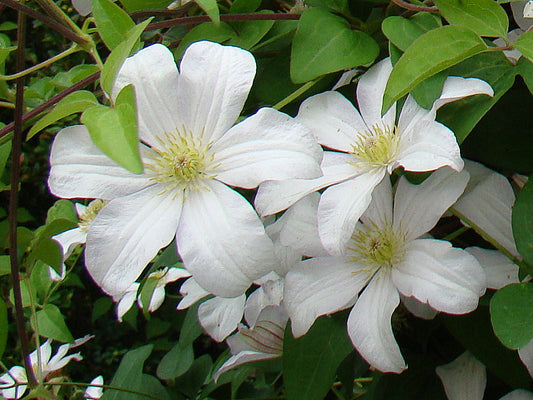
[(224, 17), (62, 29), (13, 201), (52, 101), (414, 7)]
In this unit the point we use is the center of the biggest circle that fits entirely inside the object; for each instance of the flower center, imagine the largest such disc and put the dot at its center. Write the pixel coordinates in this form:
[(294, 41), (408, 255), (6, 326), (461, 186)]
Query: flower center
[(90, 213), (183, 163), (377, 247), (378, 147)]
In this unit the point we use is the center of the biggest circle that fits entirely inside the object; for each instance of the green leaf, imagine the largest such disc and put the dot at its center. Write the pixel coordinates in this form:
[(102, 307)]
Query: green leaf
[(51, 324), (113, 22), (74, 103), (244, 6), (5, 265), (485, 17), (118, 56), (401, 31), (136, 5), (190, 328), (431, 53), (523, 223), (474, 332), (211, 9), (325, 43), (49, 251), (249, 33), (3, 327), (206, 31), (5, 152), (62, 209), (191, 382), (176, 362), (114, 130), (130, 376), (310, 362), (512, 315), (429, 90), (525, 45)]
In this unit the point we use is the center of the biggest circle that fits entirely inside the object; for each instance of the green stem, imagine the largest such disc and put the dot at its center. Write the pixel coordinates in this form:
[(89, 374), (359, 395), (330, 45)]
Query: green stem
[(72, 49), (37, 368), (57, 13), (455, 234), (294, 95)]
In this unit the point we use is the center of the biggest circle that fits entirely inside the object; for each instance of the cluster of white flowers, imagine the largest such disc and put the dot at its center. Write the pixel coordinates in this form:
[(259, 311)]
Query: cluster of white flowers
[(362, 243)]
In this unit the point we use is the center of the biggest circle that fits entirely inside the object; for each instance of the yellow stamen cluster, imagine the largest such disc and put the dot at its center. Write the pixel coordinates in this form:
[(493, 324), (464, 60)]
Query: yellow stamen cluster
[(377, 246), (183, 163), (90, 213), (378, 147)]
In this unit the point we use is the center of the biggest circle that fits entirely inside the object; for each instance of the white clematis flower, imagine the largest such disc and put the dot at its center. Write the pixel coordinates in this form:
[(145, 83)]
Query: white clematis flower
[(43, 364), (95, 392), (191, 152), (369, 147), (386, 257)]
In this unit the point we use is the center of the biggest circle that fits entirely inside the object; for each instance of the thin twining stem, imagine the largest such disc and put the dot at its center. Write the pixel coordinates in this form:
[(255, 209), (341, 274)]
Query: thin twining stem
[(414, 7)]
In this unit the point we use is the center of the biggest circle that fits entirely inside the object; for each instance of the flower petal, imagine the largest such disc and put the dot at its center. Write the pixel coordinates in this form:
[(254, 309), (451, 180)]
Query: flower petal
[(500, 271), (269, 145), (242, 358), (526, 356), (418, 309), (332, 119), (518, 394), (417, 208), (275, 196), (321, 286), (213, 85), (191, 292), (69, 240), (154, 75), (370, 90), (464, 378), (222, 242), (342, 205), (79, 169), (220, 316), (427, 146), (487, 203), (379, 211), (270, 293), (95, 392), (369, 324), (434, 272), (126, 300), (127, 233)]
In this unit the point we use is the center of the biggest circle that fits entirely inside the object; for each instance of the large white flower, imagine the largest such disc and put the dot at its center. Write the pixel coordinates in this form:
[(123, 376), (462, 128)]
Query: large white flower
[(368, 147), (190, 153), (387, 257)]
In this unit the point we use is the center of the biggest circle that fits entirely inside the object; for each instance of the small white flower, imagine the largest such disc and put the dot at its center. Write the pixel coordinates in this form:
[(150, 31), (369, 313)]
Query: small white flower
[(95, 392), (369, 147), (193, 154), (386, 257)]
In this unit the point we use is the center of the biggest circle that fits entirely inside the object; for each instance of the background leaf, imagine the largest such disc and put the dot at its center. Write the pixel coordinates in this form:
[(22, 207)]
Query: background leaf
[(52, 324), (113, 22)]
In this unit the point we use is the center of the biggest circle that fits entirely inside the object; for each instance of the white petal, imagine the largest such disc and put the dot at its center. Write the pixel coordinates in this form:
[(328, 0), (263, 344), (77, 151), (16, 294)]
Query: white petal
[(487, 203), (19, 373), (464, 378), (83, 7), (518, 394), (127, 300), (417, 208), (158, 297), (220, 316), (173, 274), (270, 293), (427, 146), (299, 227), (80, 209), (379, 211), (526, 356), (275, 196), (418, 309), (500, 271), (54, 276), (434, 272), (69, 240), (321, 286), (127, 233), (517, 7), (269, 145), (80, 169), (154, 75), (456, 88), (333, 120), (213, 86), (370, 91), (191, 292), (222, 242), (242, 358), (369, 324), (342, 205), (95, 392)]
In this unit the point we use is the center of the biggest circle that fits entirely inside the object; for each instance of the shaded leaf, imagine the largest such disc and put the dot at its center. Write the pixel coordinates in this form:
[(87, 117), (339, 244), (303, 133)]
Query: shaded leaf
[(51, 324)]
